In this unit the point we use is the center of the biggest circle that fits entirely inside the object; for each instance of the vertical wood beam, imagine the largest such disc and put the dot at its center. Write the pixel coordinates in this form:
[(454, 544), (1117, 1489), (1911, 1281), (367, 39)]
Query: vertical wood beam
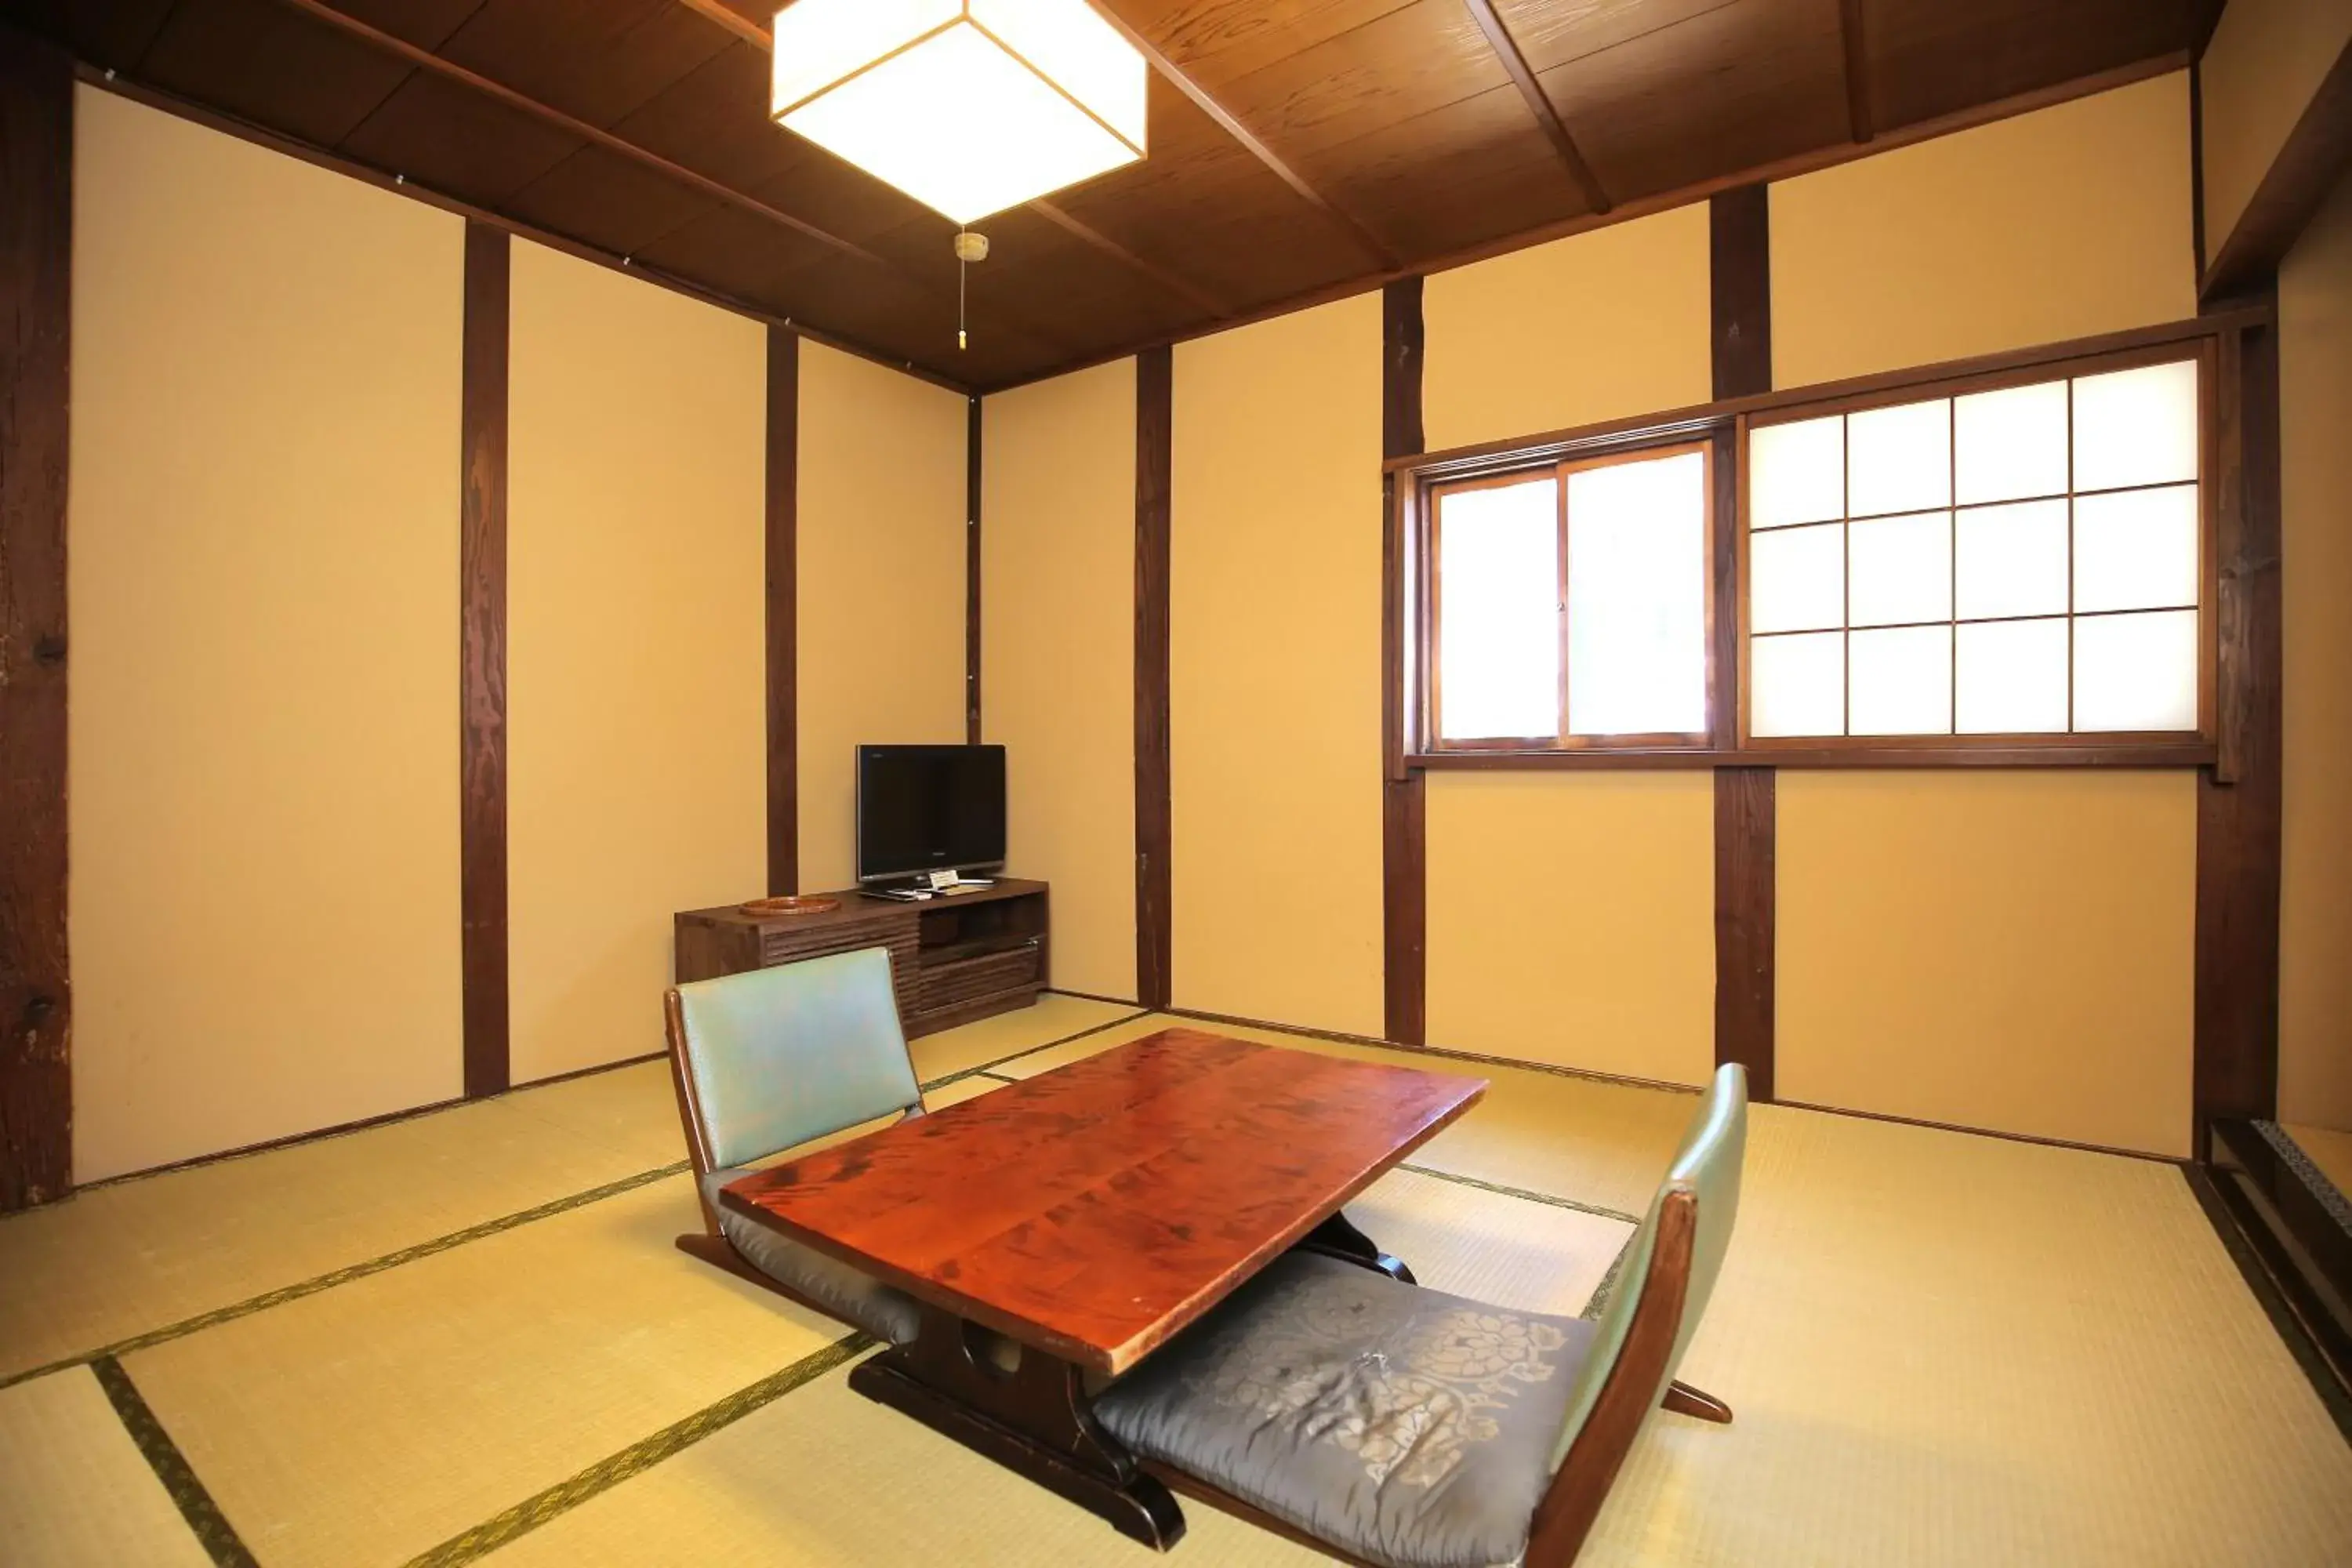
[(1404, 812), (783, 611), (2239, 799), (1745, 823), (1154, 817), (1855, 48), (482, 660), (971, 572), (36, 88)]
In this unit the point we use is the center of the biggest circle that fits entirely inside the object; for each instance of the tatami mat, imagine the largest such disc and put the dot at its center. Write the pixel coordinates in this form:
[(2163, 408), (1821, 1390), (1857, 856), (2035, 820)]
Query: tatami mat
[(366, 1423), (1514, 1252), (1597, 1141), (74, 1491), (1942, 1350), (974, 1044), (135, 1256), (1952, 1350), (825, 1478)]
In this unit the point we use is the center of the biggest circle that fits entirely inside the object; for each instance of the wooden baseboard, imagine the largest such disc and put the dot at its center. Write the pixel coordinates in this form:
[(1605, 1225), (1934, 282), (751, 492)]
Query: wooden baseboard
[(344, 1128)]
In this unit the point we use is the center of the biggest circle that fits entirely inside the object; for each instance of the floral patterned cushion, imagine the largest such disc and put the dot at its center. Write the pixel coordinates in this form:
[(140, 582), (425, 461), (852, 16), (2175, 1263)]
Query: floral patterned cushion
[(1401, 1425)]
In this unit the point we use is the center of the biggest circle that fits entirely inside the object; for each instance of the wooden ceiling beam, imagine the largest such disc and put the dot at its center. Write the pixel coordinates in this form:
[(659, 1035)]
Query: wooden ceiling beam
[(1784, 168), (2309, 165), (751, 32), (1857, 71), (425, 60), (449, 70), (1555, 130), (1370, 244)]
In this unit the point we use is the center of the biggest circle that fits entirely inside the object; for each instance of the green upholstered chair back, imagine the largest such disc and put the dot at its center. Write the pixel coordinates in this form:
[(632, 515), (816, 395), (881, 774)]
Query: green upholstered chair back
[(781, 1056), (1706, 1166)]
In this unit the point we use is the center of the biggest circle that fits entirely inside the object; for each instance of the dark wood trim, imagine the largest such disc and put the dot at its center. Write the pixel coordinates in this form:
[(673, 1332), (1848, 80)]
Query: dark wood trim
[(1739, 290), (1174, 76), (1890, 1117), (37, 130), (341, 1129), (2306, 169), (971, 603), (1739, 287), (399, 184), (482, 699), (783, 557), (1745, 916), (2293, 1254), (1643, 206), (2197, 165), (1853, 42), (1154, 823), (2237, 821), (1955, 753), (1546, 116), (1404, 810), (1543, 447)]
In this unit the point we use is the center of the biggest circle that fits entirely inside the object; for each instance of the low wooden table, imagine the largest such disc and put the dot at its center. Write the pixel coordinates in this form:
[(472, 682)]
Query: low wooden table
[(1071, 1224)]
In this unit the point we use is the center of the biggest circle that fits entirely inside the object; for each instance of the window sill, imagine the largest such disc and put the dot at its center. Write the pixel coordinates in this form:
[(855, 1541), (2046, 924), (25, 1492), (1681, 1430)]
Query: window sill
[(2134, 754)]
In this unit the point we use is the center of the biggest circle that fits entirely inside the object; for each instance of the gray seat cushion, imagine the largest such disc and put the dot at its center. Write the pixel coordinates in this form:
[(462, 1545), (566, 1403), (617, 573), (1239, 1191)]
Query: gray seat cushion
[(1401, 1425), (857, 1299)]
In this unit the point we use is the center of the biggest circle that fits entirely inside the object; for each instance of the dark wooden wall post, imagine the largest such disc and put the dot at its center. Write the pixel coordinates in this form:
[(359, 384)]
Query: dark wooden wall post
[(1155, 430), (2239, 799), (1740, 285), (1404, 852), (37, 87), (783, 611), (971, 453), (482, 669)]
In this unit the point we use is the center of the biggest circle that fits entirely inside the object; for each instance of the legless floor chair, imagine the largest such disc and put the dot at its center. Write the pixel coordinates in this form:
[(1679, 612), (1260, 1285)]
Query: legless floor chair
[(1401, 1427), (769, 1060)]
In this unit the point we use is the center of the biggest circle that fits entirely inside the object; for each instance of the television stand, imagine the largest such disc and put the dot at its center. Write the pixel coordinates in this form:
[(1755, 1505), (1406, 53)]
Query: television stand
[(953, 958)]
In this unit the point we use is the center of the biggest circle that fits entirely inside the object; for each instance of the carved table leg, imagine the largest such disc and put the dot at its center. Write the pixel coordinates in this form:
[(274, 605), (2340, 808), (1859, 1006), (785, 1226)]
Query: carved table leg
[(1336, 1238), (1024, 1409)]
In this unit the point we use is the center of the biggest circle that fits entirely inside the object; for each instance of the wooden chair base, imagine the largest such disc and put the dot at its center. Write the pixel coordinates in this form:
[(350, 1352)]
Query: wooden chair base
[(1685, 1400), (719, 1253)]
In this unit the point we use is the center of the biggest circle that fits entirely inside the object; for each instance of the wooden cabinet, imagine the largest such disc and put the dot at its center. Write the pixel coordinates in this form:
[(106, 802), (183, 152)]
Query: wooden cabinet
[(953, 959)]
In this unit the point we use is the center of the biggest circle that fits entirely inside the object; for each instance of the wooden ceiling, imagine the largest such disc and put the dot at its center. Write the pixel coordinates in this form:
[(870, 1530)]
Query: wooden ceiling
[(1299, 148)]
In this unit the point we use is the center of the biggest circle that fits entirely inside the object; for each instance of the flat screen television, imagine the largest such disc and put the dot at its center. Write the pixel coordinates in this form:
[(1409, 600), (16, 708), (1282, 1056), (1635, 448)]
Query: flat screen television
[(929, 808)]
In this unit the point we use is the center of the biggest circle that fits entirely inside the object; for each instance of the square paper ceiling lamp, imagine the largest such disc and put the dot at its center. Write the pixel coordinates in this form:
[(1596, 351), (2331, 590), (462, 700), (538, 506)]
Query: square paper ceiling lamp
[(968, 106)]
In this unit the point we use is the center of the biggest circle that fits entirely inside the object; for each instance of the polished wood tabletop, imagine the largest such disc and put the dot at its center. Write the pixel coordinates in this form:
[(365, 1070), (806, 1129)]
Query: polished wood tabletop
[(1096, 1210)]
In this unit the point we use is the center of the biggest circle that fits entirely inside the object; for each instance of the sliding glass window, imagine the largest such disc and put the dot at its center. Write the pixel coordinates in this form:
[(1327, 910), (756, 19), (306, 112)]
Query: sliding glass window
[(1568, 604)]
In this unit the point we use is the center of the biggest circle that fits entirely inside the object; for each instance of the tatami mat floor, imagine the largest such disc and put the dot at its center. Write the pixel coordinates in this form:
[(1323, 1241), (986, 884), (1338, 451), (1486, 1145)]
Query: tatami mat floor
[(1942, 1348)]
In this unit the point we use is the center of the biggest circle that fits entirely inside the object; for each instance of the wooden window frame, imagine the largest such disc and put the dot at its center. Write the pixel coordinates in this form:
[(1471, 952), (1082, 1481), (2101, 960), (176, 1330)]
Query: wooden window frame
[(1416, 480), (1559, 471)]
